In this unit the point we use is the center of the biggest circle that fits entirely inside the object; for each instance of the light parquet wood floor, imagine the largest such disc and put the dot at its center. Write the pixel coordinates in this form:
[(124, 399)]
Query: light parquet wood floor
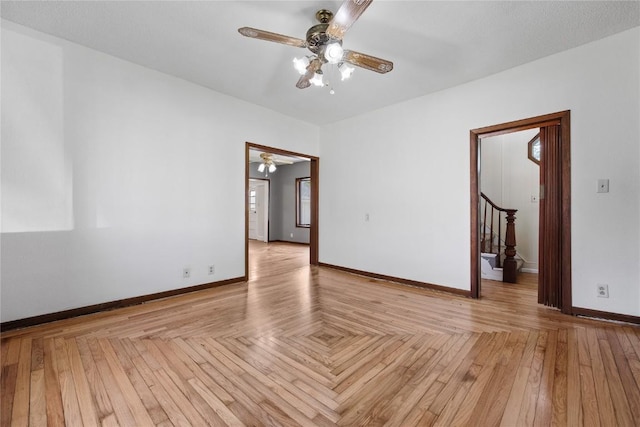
[(301, 345)]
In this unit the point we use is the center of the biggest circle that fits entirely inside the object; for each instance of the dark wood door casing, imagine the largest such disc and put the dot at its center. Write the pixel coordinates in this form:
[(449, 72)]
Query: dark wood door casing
[(559, 178), (550, 242)]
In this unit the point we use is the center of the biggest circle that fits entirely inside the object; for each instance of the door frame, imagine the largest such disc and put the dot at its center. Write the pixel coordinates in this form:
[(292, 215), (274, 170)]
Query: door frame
[(315, 186), (561, 180)]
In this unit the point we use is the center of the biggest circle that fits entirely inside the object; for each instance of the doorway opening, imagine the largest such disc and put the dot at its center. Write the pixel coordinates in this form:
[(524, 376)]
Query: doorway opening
[(509, 208), (554, 241), (267, 214)]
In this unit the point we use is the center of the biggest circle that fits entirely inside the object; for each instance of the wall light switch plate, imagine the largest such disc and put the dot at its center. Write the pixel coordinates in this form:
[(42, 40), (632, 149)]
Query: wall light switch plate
[(603, 186)]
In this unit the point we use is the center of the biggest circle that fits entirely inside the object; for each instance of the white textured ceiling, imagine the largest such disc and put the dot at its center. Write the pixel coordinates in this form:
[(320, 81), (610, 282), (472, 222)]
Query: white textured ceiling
[(434, 45)]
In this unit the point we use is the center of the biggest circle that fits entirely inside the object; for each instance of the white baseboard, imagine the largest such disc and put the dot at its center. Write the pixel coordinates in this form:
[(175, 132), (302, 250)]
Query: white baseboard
[(529, 270)]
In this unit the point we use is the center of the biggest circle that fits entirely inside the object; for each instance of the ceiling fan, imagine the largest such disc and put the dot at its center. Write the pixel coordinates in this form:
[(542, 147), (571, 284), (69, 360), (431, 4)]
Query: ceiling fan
[(324, 40)]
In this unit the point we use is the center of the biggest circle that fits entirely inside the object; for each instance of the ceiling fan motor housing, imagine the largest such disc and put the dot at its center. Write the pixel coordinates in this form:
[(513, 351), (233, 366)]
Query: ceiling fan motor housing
[(317, 37)]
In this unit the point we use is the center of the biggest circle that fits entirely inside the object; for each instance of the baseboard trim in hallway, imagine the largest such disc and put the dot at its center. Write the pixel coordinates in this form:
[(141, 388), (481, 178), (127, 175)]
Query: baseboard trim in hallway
[(398, 280)]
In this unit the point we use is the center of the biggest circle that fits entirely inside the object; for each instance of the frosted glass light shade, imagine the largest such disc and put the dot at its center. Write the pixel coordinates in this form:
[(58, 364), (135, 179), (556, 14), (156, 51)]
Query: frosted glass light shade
[(301, 64), (345, 70), (333, 53), (317, 79)]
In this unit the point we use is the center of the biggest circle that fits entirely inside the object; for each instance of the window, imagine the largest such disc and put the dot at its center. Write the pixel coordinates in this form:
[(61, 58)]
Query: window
[(303, 202), (534, 149)]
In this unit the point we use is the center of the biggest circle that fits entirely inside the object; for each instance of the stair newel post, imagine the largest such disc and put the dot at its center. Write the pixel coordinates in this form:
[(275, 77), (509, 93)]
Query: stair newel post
[(510, 265)]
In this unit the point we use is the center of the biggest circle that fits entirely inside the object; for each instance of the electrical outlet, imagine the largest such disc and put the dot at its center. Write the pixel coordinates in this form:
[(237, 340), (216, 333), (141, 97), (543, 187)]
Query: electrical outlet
[(212, 269), (186, 272), (291, 235), (603, 291)]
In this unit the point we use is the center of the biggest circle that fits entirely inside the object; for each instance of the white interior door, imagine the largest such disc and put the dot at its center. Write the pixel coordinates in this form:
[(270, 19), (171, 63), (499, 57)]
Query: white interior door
[(253, 214), (259, 210)]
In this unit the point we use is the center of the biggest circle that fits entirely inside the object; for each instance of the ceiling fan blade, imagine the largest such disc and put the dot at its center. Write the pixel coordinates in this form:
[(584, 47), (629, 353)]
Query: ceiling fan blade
[(303, 81), (271, 37), (344, 18), (367, 61)]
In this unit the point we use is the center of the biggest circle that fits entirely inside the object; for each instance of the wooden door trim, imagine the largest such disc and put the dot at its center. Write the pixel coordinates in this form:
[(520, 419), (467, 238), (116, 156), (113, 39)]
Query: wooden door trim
[(315, 185), (561, 118)]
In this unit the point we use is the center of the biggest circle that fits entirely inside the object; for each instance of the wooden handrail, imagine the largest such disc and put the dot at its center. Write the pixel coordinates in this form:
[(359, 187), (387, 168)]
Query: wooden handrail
[(496, 207), (509, 267)]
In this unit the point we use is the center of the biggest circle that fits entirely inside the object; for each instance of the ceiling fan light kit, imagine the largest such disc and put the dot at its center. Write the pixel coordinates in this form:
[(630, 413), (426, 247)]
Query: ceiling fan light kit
[(324, 40), (267, 163)]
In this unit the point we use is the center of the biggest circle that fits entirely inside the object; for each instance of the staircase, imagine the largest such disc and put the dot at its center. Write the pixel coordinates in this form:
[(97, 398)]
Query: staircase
[(499, 260), (491, 271)]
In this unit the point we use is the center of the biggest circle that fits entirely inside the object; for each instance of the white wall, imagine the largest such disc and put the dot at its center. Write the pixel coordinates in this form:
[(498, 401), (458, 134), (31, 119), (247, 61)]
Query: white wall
[(510, 179), (419, 217), (115, 177)]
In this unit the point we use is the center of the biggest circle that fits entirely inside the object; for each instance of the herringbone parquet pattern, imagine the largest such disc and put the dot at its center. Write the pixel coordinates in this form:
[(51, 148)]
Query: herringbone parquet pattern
[(311, 346)]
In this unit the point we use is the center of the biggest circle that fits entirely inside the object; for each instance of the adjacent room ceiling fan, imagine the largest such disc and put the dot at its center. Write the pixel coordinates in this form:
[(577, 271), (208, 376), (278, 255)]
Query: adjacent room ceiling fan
[(267, 162), (324, 40)]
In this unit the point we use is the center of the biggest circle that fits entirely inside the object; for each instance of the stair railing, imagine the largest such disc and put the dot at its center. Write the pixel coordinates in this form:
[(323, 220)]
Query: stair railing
[(488, 245)]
